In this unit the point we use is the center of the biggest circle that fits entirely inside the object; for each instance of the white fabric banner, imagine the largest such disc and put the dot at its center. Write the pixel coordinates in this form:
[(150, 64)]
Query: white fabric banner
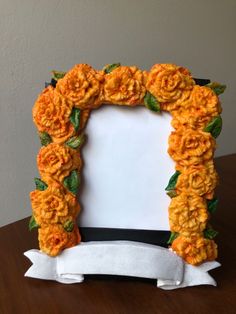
[(124, 258)]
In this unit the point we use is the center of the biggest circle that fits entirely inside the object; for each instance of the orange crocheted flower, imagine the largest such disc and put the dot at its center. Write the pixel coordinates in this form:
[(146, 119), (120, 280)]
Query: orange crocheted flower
[(53, 239), (167, 82), (188, 214), (51, 114), (74, 237), (125, 86), (190, 147), (81, 85), (201, 179), (202, 105), (195, 250), (53, 205), (57, 161), (176, 106)]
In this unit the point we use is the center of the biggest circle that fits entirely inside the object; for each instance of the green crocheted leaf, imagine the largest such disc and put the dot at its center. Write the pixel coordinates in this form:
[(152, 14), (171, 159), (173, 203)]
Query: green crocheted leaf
[(76, 141), (72, 182), (40, 185), (32, 223), (217, 87), (172, 237), (172, 182), (58, 75), (75, 118), (151, 102), (45, 138), (212, 205), (111, 67), (69, 225), (214, 127), (210, 233), (171, 193)]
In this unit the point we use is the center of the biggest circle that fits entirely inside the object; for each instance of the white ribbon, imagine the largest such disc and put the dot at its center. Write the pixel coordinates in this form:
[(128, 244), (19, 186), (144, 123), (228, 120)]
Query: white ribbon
[(125, 258)]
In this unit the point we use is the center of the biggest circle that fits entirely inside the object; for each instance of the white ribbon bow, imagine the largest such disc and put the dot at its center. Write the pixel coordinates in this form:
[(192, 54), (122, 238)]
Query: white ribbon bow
[(125, 258)]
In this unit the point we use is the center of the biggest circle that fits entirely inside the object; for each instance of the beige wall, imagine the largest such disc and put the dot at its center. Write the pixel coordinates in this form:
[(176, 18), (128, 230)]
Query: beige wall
[(37, 36)]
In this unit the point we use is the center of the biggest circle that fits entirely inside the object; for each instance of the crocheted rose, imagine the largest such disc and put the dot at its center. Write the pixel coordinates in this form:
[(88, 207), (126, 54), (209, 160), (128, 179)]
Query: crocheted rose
[(51, 114), (53, 239), (195, 250), (167, 82), (57, 161), (125, 86), (190, 147), (201, 179), (188, 214), (202, 105), (81, 85), (176, 105), (53, 205)]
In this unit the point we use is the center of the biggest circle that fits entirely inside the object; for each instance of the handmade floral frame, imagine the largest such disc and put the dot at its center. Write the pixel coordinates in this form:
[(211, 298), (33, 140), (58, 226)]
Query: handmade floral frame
[(60, 114)]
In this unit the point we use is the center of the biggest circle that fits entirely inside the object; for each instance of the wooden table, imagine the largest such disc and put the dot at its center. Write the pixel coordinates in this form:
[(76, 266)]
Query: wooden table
[(121, 295)]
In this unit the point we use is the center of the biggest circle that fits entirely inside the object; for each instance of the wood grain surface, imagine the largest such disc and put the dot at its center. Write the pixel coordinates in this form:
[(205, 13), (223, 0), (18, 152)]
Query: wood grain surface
[(108, 295)]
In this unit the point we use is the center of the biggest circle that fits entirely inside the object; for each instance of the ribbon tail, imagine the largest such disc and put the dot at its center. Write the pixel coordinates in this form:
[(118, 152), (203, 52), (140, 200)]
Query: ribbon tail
[(45, 267), (193, 276)]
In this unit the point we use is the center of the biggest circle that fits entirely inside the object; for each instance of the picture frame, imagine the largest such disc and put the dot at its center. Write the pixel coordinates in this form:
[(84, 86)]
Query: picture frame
[(60, 114)]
